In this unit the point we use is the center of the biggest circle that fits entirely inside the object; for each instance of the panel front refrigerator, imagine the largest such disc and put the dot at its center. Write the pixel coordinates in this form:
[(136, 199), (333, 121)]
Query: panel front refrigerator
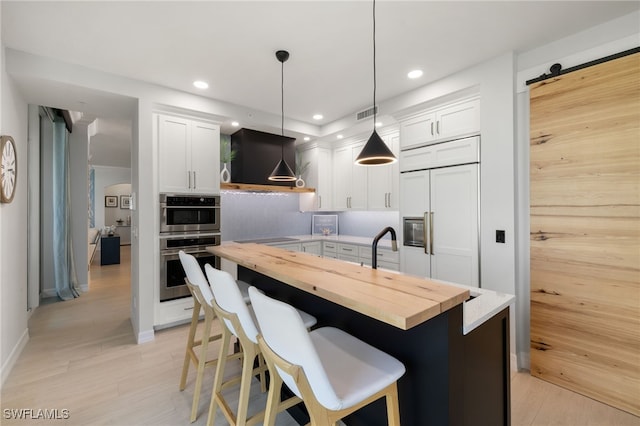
[(447, 201)]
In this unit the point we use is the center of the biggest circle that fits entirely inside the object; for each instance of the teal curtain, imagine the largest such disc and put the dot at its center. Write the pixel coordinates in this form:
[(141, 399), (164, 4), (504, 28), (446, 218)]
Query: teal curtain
[(63, 262)]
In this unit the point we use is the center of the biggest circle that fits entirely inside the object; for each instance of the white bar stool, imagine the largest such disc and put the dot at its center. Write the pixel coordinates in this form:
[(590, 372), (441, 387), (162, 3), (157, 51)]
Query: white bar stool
[(334, 373), (239, 321), (201, 293)]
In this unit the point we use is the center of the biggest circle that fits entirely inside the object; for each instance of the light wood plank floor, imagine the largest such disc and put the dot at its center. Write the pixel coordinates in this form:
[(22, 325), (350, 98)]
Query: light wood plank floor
[(82, 357)]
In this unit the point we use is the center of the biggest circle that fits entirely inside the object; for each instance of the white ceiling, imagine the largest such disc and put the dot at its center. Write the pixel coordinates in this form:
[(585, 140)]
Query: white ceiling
[(231, 44)]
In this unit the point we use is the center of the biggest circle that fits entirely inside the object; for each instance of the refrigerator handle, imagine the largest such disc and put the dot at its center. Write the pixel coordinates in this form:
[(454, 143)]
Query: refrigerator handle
[(425, 231), (431, 233)]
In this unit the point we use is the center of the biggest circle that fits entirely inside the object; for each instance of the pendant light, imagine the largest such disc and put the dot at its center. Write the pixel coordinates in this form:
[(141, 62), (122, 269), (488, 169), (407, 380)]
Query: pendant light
[(282, 172), (375, 151)]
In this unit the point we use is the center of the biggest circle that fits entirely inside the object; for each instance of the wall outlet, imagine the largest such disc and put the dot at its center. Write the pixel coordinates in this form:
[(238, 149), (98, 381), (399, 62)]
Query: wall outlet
[(500, 236)]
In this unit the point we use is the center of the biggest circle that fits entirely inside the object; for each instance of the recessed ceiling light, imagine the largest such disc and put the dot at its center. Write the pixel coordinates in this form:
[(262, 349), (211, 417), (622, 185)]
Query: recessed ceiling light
[(201, 84), (415, 74), (307, 138), (339, 136), (235, 123), (318, 116)]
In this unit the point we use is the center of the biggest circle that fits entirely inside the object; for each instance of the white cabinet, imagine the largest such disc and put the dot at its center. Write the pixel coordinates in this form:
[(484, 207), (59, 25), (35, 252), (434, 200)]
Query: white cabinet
[(350, 180), (312, 247), (447, 199), (168, 314), (443, 123), (348, 252), (460, 151), (387, 259), (329, 249), (383, 181), (318, 176), (189, 154)]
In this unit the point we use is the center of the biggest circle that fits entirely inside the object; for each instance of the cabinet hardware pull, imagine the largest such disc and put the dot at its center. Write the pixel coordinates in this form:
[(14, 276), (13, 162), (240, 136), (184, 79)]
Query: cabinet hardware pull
[(438, 127), (189, 177), (432, 128), (425, 233), (319, 201), (194, 180), (431, 232)]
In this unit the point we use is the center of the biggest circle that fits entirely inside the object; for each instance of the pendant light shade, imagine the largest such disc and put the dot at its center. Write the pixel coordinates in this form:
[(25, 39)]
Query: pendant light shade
[(375, 151), (282, 172)]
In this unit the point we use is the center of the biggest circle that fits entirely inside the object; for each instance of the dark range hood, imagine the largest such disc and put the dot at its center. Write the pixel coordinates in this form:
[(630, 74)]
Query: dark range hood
[(257, 153)]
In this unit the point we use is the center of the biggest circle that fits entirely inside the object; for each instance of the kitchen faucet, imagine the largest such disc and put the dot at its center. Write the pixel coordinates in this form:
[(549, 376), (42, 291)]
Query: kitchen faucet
[(374, 246)]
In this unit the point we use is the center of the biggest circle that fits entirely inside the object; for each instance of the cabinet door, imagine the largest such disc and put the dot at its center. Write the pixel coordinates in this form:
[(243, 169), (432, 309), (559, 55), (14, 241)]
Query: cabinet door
[(414, 261), (318, 176), (359, 177), (414, 193), (342, 167), (458, 120), (382, 181), (417, 130), (174, 139), (205, 158), (314, 247), (454, 230), (324, 190)]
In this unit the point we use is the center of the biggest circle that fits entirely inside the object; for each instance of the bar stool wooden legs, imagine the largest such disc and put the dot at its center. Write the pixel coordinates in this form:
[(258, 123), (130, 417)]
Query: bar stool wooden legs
[(196, 350), (334, 373), (238, 321)]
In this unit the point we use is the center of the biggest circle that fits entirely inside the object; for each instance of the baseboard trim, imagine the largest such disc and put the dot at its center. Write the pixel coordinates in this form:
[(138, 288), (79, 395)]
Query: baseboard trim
[(514, 362), (13, 356), (145, 336), (48, 292)]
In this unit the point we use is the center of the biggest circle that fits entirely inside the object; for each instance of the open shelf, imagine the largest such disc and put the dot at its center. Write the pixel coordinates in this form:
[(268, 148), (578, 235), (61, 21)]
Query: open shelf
[(249, 187)]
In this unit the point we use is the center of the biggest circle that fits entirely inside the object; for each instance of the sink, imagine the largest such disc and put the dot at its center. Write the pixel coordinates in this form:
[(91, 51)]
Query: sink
[(268, 240)]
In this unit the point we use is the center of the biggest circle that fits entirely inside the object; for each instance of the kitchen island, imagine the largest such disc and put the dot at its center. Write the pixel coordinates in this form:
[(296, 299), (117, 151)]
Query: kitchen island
[(452, 378)]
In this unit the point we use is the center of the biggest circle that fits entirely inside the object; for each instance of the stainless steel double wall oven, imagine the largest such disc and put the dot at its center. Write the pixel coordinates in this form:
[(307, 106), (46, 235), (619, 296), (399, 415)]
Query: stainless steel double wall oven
[(188, 222)]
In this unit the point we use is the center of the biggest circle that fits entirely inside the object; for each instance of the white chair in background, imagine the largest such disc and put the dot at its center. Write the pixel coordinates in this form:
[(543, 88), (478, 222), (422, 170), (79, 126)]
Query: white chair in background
[(333, 372), (239, 321), (201, 293)]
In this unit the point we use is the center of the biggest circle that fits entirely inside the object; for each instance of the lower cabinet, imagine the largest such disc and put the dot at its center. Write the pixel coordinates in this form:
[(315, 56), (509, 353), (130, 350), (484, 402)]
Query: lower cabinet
[(173, 312), (387, 259), (312, 247), (329, 249)]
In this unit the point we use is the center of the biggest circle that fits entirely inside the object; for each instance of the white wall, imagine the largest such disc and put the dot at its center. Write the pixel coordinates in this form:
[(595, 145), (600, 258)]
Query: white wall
[(13, 230), (104, 178), (79, 188), (112, 214)]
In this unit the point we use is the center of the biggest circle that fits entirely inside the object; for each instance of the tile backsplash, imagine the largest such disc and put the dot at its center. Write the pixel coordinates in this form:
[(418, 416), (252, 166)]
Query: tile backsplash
[(247, 215)]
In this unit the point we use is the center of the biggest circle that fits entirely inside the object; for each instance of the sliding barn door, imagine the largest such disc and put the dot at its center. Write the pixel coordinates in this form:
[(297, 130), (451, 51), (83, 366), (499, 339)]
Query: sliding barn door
[(585, 231)]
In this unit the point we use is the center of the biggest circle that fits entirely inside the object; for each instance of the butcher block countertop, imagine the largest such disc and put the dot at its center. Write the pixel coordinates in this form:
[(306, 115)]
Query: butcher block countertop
[(400, 300)]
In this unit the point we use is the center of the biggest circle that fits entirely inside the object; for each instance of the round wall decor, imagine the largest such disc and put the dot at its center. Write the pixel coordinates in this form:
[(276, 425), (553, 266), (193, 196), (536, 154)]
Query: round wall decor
[(9, 169)]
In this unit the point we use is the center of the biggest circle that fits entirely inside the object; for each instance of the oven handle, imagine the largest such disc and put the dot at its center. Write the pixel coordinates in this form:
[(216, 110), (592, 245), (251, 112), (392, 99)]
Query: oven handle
[(186, 207), (187, 250)]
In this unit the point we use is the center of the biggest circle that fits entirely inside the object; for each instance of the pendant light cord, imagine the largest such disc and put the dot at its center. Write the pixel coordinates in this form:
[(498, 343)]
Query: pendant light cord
[(282, 105), (375, 109)]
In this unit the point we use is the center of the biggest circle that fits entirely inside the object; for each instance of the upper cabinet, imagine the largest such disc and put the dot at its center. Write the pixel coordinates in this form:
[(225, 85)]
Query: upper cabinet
[(383, 181), (189, 155), (443, 123), (319, 175), (350, 179)]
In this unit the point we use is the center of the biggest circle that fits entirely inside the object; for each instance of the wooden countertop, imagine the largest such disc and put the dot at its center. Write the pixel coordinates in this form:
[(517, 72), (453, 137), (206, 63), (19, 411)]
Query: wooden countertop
[(403, 301)]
